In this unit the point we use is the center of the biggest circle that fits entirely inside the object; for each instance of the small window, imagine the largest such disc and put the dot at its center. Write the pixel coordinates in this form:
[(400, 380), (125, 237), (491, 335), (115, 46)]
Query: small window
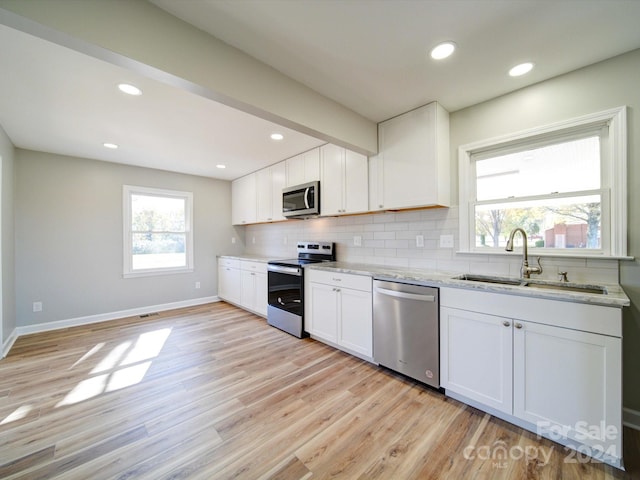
[(158, 236), (565, 185)]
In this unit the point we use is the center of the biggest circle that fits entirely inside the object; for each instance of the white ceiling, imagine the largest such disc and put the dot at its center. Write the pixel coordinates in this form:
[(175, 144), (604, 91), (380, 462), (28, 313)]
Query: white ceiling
[(369, 55), (57, 100), (372, 55)]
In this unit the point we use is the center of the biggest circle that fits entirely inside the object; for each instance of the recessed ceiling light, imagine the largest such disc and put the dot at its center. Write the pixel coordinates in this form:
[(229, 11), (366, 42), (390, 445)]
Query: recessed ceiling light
[(221, 166), (521, 69), (443, 50), (129, 89), (112, 146), (277, 136)]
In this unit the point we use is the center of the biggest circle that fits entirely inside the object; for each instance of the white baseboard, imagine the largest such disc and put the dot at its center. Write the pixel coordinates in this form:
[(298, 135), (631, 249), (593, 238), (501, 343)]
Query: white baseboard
[(6, 346), (103, 317), (631, 418)]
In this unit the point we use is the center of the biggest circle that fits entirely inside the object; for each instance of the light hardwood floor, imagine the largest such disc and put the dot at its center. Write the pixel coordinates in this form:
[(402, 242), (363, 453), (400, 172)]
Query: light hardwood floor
[(214, 392)]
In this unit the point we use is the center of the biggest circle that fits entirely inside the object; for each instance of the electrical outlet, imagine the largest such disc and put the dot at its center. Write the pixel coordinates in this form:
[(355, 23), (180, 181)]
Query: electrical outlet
[(419, 240), (253, 240), (284, 240), (233, 239), (446, 241), (197, 284), (37, 306), (357, 241)]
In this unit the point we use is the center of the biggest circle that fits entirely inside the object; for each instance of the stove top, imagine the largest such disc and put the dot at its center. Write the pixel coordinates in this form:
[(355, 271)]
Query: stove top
[(295, 262), (310, 252)]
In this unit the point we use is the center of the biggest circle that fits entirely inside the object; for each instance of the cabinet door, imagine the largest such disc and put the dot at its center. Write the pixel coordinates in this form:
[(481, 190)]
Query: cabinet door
[(278, 180), (222, 283), (264, 203), (229, 284), (356, 183), (376, 184), (248, 289), (356, 322), (332, 182), (476, 357), (322, 320), (413, 159), (566, 379), (243, 200), (269, 185), (261, 293), (303, 168)]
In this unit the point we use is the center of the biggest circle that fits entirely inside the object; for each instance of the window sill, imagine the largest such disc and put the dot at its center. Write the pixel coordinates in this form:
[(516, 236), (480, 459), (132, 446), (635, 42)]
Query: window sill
[(156, 273)]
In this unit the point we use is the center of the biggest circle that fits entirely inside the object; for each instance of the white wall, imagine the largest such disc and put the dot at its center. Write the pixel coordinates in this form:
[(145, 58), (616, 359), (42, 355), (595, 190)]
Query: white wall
[(69, 238), (7, 239), (388, 237)]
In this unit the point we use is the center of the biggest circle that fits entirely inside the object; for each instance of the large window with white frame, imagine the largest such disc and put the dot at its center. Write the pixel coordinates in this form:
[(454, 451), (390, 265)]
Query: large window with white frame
[(564, 184), (158, 233)]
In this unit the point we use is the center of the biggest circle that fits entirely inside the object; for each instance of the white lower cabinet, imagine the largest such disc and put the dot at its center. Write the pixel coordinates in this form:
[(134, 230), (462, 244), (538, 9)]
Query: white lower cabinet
[(568, 378), (243, 283), (476, 361), (534, 361), (253, 286), (229, 280), (338, 310)]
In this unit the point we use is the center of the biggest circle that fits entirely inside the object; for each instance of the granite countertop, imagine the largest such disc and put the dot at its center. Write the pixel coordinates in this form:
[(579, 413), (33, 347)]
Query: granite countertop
[(615, 296), (250, 257)]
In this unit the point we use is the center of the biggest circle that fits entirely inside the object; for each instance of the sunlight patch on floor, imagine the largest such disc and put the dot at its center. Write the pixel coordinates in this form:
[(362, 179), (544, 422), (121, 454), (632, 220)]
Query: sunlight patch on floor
[(124, 366), (17, 414)]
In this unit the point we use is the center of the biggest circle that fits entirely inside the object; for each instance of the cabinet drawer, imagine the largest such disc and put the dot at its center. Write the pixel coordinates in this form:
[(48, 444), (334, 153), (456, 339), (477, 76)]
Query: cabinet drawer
[(346, 280), (250, 266), (229, 262), (576, 316)]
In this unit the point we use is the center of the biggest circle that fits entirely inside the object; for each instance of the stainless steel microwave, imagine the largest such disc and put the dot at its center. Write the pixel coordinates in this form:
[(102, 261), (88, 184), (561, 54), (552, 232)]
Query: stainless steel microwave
[(301, 200)]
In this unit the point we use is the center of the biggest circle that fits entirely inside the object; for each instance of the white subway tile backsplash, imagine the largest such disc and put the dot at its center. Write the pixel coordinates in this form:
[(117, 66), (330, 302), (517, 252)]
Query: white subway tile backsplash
[(390, 239), (396, 243), (384, 235)]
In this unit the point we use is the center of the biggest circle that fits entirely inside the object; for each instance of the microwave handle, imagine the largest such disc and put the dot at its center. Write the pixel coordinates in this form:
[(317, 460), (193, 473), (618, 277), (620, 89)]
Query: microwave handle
[(306, 197)]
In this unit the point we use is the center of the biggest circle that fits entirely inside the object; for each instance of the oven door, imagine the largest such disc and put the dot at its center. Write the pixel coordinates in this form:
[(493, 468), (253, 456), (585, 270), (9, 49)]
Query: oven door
[(285, 288)]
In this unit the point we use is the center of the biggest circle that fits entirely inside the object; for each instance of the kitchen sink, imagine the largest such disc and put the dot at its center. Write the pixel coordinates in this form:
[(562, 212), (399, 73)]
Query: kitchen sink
[(489, 279), (539, 284), (570, 287)]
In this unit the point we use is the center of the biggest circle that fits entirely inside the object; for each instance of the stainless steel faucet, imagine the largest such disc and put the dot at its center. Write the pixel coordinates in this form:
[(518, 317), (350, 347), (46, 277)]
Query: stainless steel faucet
[(525, 270)]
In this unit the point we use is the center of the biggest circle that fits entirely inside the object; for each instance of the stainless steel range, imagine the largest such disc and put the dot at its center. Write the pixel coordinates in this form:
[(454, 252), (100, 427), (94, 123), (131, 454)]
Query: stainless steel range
[(286, 286)]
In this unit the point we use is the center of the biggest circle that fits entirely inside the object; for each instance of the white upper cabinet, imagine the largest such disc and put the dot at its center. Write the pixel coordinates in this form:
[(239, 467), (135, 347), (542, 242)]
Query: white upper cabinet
[(343, 181), (269, 184), (412, 166), (303, 168), (243, 200)]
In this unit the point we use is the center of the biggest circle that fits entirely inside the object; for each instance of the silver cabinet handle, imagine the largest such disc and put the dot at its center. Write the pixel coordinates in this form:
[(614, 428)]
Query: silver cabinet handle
[(518, 325), (408, 296), (506, 323)]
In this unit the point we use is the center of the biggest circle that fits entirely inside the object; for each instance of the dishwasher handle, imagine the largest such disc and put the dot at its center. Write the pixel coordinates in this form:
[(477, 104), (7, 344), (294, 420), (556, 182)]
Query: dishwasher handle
[(406, 295)]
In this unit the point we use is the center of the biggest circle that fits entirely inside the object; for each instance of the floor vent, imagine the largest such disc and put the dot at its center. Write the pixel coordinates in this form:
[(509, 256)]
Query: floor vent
[(145, 315)]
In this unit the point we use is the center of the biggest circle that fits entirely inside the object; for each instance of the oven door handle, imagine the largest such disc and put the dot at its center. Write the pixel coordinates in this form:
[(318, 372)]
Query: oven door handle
[(288, 270)]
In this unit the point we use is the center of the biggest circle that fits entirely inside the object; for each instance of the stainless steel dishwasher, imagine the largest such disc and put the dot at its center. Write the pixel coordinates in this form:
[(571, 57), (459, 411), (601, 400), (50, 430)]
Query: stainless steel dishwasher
[(406, 330)]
